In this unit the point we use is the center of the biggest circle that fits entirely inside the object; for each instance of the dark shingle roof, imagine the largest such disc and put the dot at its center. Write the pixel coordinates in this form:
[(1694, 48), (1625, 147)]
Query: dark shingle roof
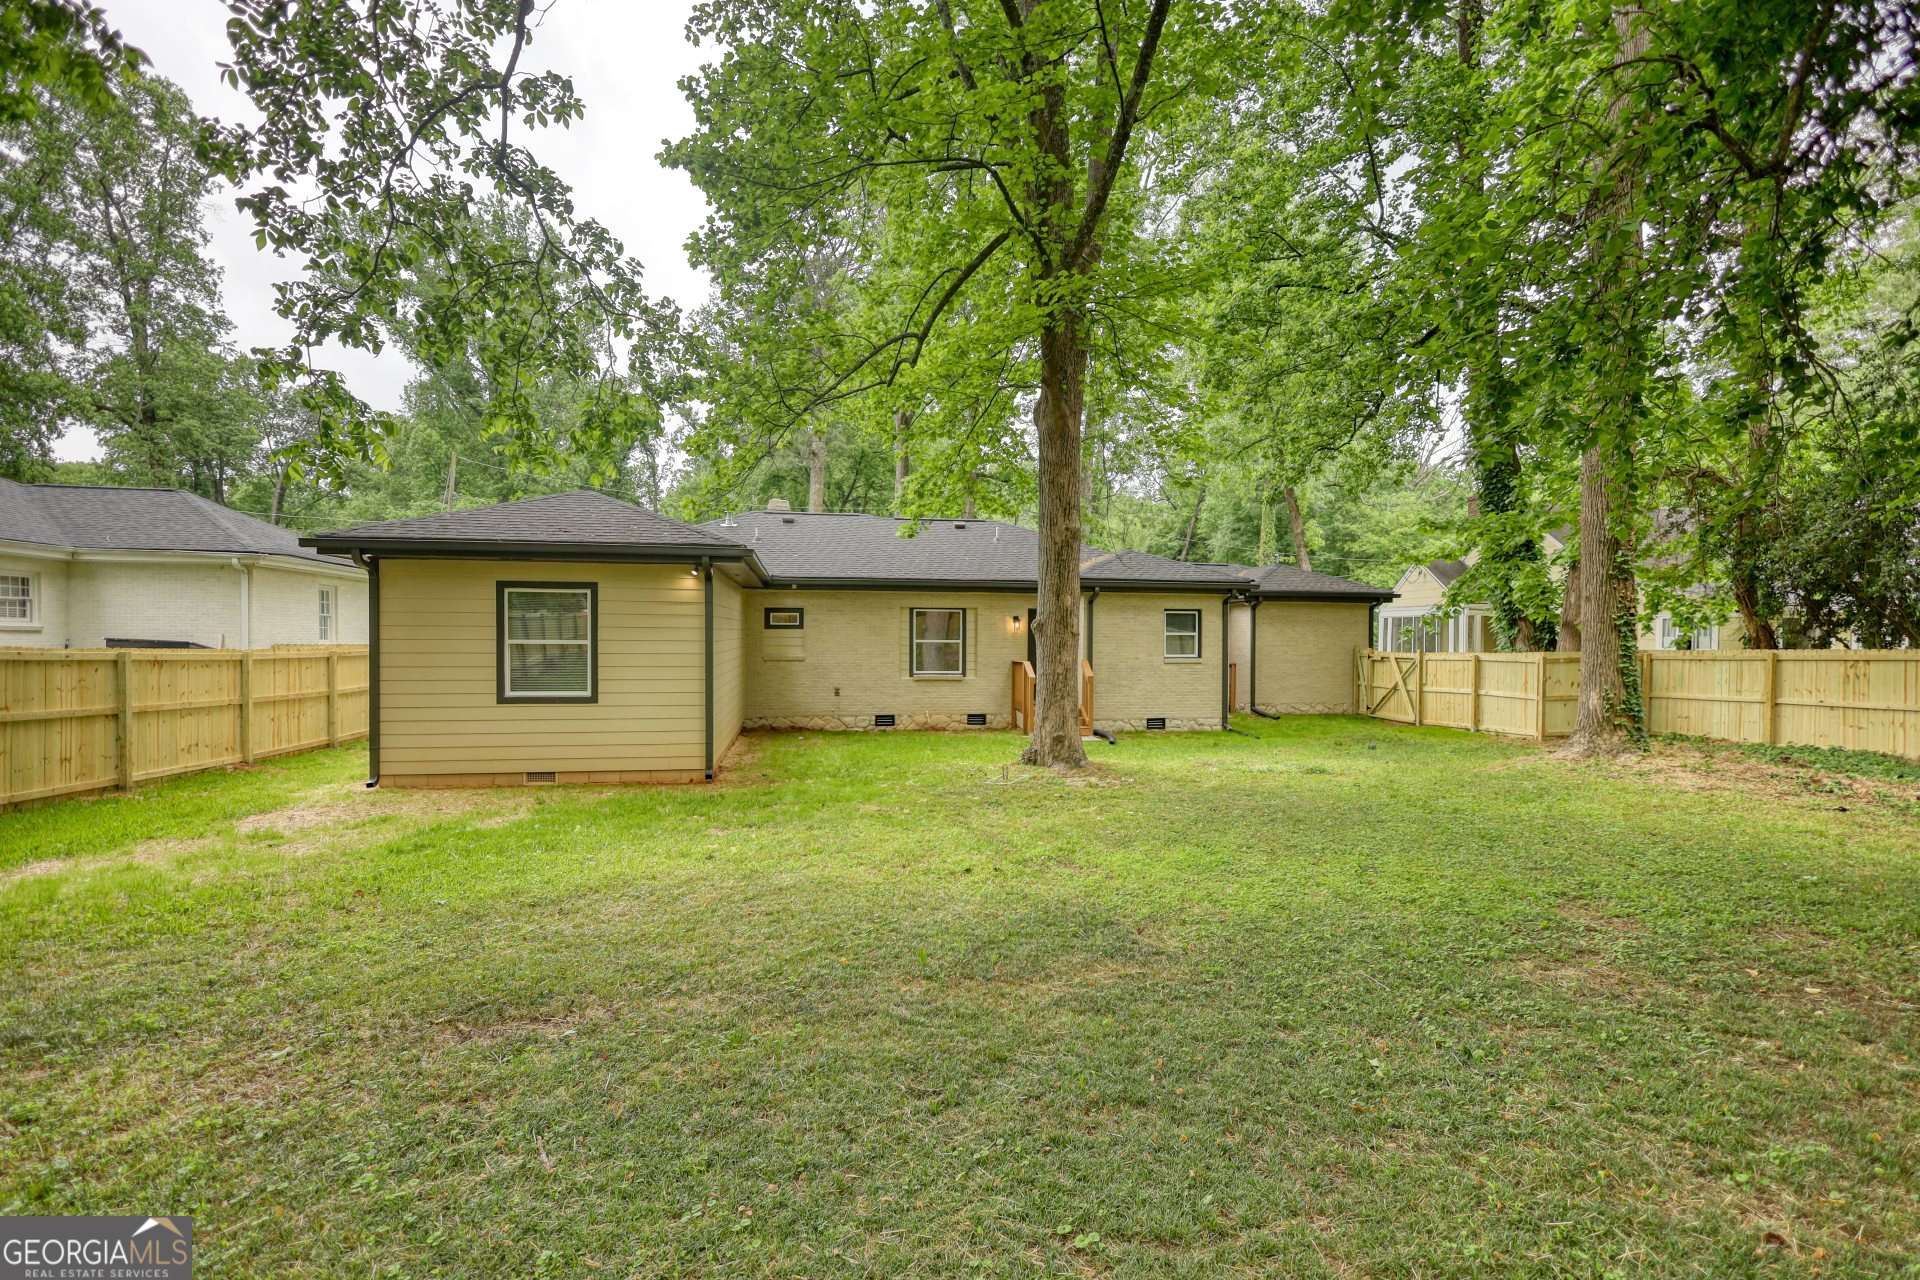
[(799, 546), (820, 547), (1447, 571), (1291, 580), (110, 518), (582, 518)]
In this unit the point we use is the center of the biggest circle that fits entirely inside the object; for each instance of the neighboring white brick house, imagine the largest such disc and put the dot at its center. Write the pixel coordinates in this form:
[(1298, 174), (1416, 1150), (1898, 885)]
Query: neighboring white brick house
[(85, 566)]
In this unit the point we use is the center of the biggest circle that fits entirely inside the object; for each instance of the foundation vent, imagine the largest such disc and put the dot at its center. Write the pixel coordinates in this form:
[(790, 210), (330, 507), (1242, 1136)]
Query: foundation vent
[(883, 722), (1156, 722), (539, 775), (977, 718)]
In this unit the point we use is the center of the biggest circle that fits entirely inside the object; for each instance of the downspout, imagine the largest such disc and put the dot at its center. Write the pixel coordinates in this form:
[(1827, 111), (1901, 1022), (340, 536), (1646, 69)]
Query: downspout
[(1093, 594), (246, 602), (706, 566), (1253, 661), (372, 569)]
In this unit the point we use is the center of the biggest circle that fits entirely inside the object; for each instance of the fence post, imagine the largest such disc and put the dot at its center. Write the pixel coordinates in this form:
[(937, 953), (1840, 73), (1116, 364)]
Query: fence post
[(123, 682), (1473, 697), (1419, 683), (246, 707), (1643, 659), (1770, 700), (1540, 705), (333, 699)]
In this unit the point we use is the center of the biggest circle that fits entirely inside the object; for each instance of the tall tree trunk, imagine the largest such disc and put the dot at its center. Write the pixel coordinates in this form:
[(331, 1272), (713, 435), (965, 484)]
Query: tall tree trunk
[(1609, 720), (1268, 551), (1298, 524), (1056, 624), (902, 420), (1508, 551), (1193, 520), (1567, 637), (817, 471), (279, 492)]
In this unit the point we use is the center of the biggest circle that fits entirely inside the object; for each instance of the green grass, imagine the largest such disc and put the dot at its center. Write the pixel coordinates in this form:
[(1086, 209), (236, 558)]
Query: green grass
[(1346, 999)]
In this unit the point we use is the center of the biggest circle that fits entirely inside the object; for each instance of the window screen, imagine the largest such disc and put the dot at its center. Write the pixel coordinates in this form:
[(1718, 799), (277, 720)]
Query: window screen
[(16, 598), (547, 646), (1183, 633), (939, 642)]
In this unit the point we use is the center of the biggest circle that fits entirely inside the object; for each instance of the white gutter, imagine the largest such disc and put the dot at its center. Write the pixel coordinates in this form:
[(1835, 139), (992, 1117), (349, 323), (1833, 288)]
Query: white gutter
[(40, 551)]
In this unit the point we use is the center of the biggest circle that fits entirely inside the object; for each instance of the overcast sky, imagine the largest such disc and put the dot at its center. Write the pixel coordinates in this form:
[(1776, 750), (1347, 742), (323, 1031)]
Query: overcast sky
[(626, 58)]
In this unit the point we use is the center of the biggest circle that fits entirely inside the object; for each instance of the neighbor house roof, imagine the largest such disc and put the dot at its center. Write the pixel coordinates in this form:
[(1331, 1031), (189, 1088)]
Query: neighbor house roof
[(76, 517), (1447, 571), (584, 522)]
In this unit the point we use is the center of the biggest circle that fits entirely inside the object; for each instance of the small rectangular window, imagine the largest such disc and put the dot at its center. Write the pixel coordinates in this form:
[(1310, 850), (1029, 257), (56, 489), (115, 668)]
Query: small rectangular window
[(548, 641), (784, 619), (939, 642), (16, 597), (326, 614), (1183, 633)]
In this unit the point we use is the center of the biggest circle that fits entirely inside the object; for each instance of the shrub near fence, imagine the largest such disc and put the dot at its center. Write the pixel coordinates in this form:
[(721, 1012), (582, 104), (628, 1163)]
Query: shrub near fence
[(74, 720), (1863, 699)]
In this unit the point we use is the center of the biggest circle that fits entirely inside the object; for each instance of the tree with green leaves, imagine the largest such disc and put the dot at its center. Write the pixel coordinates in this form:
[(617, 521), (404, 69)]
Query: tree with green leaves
[(997, 142), (366, 197)]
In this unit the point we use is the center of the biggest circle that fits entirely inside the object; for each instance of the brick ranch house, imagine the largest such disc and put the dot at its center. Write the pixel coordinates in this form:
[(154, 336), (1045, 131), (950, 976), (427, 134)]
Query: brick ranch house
[(98, 566), (577, 638)]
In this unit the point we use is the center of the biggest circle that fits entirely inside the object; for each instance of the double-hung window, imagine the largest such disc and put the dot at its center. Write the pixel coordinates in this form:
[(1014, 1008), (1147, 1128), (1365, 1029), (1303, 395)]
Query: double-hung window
[(1182, 634), (326, 615), (939, 642), (548, 641), (16, 598)]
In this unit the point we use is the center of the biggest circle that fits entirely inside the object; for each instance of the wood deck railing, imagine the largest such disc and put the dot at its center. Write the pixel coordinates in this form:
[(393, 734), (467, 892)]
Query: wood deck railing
[(1023, 694)]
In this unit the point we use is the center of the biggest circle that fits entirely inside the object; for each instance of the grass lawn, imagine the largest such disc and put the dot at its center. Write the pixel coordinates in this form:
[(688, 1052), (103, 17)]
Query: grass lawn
[(1345, 1000)]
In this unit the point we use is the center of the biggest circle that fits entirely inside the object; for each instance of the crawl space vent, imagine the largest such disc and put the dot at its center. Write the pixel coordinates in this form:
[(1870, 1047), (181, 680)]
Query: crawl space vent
[(1156, 722), (976, 717), (539, 775), (883, 722)]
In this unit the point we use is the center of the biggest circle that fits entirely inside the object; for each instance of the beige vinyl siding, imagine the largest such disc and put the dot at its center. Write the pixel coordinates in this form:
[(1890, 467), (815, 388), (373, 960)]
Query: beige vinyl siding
[(1306, 656), (729, 692), (439, 714), (1418, 591), (849, 662), (1134, 680)]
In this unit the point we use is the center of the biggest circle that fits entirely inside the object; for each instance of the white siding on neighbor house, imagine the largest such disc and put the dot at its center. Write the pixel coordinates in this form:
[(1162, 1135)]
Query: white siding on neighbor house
[(153, 600), (286, 608), (83, 603), (48, 626)]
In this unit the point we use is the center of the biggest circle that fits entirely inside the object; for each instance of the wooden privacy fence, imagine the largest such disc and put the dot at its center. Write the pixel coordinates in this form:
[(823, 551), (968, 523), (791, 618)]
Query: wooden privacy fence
[(1864, 699), (74, 720)]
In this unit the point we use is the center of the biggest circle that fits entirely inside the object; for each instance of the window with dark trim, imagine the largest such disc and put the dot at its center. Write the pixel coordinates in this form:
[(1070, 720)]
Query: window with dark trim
[(784, 619), (1181, 637), (548, 641), (938, 641)]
